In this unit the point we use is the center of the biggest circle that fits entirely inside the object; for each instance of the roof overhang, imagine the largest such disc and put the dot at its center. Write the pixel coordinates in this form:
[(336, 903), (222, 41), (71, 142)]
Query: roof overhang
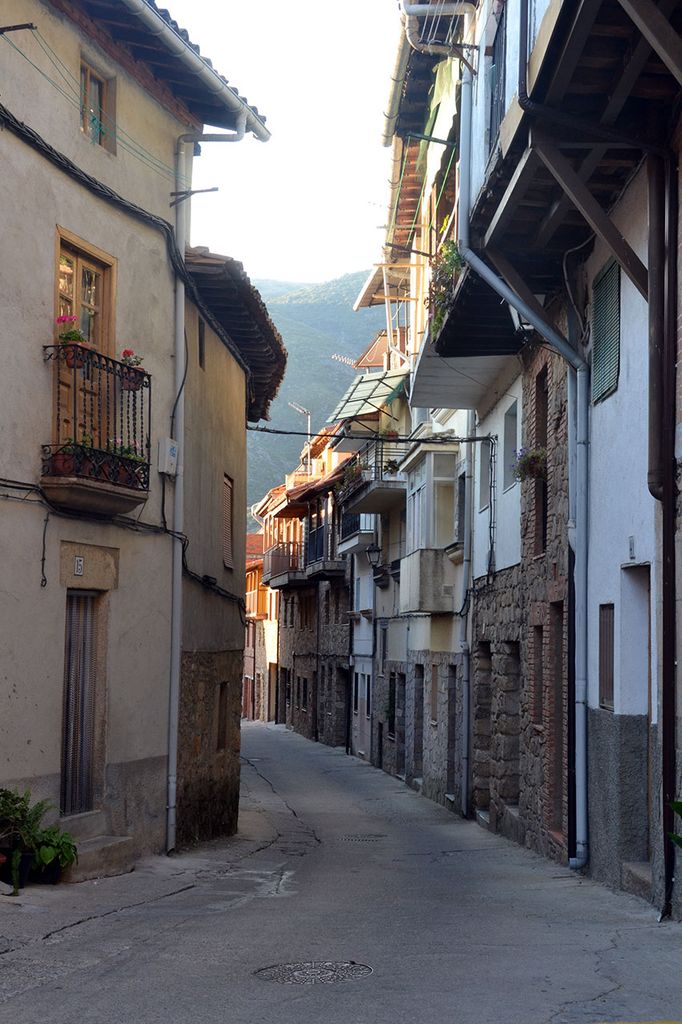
[(154, 39), (226, 290), (368, 393)]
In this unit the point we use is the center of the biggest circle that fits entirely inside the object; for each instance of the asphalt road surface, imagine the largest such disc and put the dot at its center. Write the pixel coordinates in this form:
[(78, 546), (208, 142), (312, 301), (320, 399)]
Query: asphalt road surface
[(358, 901)]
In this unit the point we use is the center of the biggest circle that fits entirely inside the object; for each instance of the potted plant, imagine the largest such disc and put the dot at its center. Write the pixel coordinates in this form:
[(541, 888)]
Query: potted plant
[(54, 850), (73, 343), (132, 375), (444, 266), (531, 464), (19, 825), (391, 467)]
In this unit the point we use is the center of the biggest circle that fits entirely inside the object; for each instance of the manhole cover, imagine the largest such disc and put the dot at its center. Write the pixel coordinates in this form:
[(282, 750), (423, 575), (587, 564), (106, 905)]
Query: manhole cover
[(315, 972), (366, 837)]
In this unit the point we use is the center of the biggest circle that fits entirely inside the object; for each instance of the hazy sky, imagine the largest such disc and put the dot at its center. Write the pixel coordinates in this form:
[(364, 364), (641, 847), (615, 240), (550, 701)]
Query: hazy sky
[(309, 204)]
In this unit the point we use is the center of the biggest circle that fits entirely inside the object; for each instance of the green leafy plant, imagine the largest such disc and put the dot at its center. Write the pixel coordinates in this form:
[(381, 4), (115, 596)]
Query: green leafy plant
[(531, 463), (19, 826), (69, 334), (54, 844), (391, 466), (444, 268)]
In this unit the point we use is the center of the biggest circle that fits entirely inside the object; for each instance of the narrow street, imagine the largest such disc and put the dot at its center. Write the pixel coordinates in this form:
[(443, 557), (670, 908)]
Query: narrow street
[(337, 862)]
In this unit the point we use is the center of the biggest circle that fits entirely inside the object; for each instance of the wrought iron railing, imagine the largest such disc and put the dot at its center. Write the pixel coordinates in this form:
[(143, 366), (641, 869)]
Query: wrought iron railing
[(497, 80), (316, 545), (378, 460), (356, 522), (286, 556), (103, 417)]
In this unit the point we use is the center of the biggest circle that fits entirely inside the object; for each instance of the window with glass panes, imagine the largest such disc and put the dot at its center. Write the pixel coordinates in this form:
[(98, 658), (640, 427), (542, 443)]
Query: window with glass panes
[(97, 107), (431, 502), (83, 292)]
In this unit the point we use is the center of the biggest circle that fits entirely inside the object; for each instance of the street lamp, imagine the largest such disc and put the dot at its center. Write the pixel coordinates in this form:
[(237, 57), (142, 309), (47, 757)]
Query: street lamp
[(304, 412), (373, 553)]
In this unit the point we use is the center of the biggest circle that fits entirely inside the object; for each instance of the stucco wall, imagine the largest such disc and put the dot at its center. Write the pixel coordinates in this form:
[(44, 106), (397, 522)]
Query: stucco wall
[(53, 109), (507, 500), (215, 444), (618, 465)]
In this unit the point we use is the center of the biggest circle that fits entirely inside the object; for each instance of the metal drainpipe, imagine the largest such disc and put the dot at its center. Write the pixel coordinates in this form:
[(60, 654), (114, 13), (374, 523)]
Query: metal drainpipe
[(181, 237), (669, 581), (178, 513), (464, 618), (564, 349)]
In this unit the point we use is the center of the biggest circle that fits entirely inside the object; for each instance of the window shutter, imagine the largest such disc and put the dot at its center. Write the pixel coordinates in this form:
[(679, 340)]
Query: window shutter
[(606, 332), (228, 552)]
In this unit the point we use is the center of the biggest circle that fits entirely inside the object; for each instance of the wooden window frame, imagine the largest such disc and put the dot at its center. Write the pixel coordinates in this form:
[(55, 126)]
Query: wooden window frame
[(85, 253), (106, 135)]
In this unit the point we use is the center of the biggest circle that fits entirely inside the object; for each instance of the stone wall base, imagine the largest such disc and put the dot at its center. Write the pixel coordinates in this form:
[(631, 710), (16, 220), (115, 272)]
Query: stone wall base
[(208, 747)]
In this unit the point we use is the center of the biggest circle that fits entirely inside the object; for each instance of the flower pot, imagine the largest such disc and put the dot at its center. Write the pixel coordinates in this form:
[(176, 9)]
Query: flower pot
[(132, 378), (24, 868), (51, 874), (62, 464), (75, 355)]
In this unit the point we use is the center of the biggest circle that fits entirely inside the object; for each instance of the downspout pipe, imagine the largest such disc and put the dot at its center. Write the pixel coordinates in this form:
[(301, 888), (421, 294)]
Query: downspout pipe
[(412, 14), (178, 509), (464, 614), (578, 364), (183, 162), (209, 78)]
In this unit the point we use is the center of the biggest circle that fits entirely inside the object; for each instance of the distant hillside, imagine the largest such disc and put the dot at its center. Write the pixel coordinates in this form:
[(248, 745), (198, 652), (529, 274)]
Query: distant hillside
[(315, 322)]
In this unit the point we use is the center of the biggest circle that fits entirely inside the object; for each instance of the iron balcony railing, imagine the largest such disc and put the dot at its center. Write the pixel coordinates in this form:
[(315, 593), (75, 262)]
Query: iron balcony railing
[(497, 80), (356, 522), (103, 417), (287, 556), (377, 461), (316, 544)]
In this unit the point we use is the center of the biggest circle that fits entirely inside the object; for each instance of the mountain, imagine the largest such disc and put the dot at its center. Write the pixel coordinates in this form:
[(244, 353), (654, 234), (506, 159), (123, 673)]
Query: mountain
[(316, 321)]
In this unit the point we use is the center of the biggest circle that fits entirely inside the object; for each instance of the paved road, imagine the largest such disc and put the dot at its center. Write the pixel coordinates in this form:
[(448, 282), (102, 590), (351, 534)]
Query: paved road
[(338, 863)]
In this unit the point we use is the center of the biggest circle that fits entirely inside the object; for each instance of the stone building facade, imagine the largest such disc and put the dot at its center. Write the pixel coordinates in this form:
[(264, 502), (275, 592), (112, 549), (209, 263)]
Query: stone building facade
[(520, 693)]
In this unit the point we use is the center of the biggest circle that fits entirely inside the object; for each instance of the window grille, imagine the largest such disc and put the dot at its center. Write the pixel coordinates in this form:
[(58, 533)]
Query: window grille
[(79, 704)]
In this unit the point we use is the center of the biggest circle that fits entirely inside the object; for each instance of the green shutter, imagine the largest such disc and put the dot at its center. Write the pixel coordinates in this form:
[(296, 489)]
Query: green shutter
[(606, 332)]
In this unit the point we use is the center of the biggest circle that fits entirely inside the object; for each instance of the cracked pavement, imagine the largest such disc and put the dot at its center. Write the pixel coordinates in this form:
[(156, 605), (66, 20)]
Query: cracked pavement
[(336, 861)]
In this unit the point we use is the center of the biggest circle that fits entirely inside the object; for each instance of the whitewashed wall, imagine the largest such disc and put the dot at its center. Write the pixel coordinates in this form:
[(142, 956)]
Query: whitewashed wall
[(507, 501), (620, 504)]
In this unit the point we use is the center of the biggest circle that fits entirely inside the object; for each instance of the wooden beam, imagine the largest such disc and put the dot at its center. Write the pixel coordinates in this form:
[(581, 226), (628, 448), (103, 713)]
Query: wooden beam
[(659, 33), (572, 50), (514, 192), (516, 282), (634, 67), (599, 221)]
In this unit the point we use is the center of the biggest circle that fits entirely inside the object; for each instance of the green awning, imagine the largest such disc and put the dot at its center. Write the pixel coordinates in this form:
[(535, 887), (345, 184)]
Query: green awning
[(369, 393)]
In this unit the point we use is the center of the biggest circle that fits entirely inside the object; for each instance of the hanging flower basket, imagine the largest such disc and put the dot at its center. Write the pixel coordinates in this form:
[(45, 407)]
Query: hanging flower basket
[(132, 373), (131, 379), (531, 464), (75, 354)]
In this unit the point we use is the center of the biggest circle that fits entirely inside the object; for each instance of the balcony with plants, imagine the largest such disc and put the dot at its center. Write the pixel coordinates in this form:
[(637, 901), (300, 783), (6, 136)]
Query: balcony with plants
[(372, 481), (99, 462)]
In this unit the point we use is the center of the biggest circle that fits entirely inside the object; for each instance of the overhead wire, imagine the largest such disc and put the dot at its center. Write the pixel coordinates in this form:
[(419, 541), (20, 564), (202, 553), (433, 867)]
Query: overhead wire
[(72, 94)]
